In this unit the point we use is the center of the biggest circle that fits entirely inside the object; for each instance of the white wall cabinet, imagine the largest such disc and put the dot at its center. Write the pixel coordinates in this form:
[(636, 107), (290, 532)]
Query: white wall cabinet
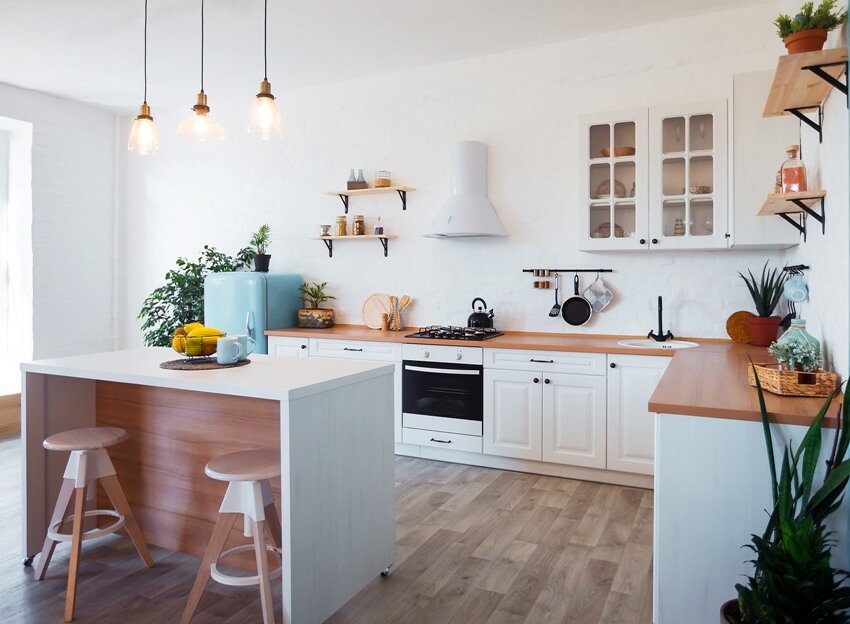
[(655, 179), (547, 406), (631, 427), (287, 346)]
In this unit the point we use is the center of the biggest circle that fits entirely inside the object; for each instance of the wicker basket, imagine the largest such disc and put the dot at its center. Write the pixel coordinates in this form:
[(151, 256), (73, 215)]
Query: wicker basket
[(818, 383)]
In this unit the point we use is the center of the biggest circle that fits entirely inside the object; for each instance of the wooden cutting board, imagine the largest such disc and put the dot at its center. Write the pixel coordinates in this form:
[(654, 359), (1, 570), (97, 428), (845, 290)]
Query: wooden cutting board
[(374, 306)]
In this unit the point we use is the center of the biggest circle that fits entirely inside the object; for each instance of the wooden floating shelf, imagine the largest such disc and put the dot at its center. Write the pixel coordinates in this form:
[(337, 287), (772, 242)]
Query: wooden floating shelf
[(401, 190), (795, 87), (329, 240), (783, 203)]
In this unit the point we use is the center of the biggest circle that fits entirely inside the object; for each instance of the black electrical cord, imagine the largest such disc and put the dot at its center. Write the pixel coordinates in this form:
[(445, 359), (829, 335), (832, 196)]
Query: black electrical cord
[(146, 52), (265, 40), (202, 45)]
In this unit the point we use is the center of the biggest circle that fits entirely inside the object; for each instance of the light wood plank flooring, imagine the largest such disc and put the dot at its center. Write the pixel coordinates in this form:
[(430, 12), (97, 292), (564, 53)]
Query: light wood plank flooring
[(473, 546)]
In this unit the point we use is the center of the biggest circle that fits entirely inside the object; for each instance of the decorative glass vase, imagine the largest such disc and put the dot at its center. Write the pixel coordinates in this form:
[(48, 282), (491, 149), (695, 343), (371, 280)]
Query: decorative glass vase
[(797, 333)]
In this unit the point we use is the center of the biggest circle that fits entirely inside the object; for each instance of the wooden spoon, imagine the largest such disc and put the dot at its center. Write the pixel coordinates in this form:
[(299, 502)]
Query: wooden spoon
[(405, 300)]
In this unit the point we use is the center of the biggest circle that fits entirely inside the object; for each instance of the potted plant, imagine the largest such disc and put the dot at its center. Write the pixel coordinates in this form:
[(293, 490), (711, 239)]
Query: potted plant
[(259, 241), (802, 356), (806, 31), (765, 293), (313, 315), (793, 580)]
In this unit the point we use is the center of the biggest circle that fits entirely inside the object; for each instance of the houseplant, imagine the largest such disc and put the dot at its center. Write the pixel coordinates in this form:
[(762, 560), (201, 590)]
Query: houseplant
[(793, 580), (181, 299), (259, 241), (765, 293), (806, 31), (796, 355), (313, 315)]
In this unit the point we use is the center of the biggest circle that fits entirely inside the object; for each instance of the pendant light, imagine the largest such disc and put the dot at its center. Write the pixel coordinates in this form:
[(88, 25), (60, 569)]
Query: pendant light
[(200, 126), (264, 121), (144, 137)]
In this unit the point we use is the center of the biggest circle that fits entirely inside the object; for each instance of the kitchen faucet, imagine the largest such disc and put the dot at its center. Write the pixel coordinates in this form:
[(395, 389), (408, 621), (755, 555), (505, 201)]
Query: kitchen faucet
[(660, 336)]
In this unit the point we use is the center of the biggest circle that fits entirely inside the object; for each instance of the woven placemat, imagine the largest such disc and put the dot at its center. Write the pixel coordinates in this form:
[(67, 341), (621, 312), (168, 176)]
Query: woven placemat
[(200, 363)]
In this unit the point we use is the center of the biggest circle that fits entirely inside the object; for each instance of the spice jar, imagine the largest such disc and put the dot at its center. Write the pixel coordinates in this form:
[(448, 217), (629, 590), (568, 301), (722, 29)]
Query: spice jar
[(379, 228), (359, 225), (324, 230), (793, 172), (382, 179), (341, 228)]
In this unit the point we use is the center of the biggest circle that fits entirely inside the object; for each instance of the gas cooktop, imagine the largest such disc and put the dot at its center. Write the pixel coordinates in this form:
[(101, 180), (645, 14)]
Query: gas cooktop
[(446, 332)]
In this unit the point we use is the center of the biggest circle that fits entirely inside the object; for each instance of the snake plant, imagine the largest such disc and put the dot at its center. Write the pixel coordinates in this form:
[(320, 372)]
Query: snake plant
[(767, 291)]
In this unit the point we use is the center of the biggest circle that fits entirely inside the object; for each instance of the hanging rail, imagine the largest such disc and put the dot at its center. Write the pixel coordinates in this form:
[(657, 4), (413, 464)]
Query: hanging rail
[(570, 270)]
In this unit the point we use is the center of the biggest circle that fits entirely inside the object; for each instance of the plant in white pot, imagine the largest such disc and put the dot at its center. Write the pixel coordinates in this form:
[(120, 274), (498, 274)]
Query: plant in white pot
[(313, 315), (766, 293), (807, 30)]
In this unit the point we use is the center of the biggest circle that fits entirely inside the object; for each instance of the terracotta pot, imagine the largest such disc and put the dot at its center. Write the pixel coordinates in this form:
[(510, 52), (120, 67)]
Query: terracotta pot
[(727, 609), (763, 330), (805, 41), (316, 318)]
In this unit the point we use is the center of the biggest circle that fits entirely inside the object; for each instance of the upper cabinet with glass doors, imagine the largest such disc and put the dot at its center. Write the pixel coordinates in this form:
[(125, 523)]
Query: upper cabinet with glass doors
[(656, 184)]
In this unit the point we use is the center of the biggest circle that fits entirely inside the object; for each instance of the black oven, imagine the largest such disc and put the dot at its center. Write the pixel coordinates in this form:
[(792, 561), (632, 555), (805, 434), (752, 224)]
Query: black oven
[(443, 396)]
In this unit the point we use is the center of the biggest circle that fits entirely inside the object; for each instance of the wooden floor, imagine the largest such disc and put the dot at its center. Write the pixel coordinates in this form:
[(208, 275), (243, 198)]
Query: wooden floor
[(473, 546)]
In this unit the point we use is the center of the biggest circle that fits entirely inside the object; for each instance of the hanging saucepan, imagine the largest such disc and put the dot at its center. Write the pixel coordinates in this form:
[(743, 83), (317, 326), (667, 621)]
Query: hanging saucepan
[(576, 310)]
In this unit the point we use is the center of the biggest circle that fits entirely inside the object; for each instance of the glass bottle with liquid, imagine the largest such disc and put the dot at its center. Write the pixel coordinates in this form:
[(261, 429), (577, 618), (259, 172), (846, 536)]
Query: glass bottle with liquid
[(793, 172)]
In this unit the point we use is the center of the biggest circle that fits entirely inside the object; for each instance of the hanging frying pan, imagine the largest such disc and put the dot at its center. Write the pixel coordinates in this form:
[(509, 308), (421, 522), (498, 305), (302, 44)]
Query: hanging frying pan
[(576, 310)]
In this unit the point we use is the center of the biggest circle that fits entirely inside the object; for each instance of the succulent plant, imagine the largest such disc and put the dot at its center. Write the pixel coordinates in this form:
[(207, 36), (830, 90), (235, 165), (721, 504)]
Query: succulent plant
[(767, 291)]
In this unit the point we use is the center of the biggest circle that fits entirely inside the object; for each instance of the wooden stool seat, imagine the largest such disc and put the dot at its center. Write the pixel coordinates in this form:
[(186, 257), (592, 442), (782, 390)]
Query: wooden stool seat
[(85, 439), (88, 463), (245, 466), (249, 495)]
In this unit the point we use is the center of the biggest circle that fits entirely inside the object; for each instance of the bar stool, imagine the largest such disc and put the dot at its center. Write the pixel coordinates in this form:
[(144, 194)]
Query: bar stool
[(88, 462), (248, 493)]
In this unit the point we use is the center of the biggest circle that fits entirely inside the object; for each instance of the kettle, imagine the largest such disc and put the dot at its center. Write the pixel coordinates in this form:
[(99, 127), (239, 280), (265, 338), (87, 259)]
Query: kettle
[(480, 317)]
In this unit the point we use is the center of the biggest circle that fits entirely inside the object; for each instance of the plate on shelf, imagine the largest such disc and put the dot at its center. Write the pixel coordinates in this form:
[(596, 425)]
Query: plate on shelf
[(374, 306), (619, 150), (738, 326), (603, 191), (604, 231)]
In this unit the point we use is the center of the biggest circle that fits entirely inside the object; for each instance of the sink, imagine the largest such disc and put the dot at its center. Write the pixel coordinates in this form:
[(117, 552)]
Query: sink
[(648, 343)]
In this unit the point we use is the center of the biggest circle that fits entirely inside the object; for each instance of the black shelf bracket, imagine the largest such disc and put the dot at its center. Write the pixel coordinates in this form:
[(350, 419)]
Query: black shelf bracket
[(330, 245), (817, 126), (344, 199), (807, 212), (403, 195), (817, 69), (384, 242)]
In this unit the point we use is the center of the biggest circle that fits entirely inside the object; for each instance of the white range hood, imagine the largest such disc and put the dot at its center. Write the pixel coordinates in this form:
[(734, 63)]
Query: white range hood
[(468, 212)]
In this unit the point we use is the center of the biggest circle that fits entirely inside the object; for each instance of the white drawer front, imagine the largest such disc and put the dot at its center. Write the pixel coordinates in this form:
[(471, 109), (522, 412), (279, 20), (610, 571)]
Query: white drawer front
[(551, 361), (356, 350), (438, 439), (287, 346), (442, 353)]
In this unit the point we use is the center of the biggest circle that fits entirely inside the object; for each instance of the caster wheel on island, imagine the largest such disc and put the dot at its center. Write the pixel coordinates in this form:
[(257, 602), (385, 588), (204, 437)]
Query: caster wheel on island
[(28, 560), (386, 571)]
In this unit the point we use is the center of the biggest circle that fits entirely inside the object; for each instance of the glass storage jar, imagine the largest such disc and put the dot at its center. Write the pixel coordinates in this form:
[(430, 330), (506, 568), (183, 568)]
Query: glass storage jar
[(793, 172), (359, 225), (382, 179), (341, 228)]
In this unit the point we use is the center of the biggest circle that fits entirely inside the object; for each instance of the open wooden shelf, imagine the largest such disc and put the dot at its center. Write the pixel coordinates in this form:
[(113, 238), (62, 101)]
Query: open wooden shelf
[(784, 203), (401, 190), (796, 87), (329, 240)]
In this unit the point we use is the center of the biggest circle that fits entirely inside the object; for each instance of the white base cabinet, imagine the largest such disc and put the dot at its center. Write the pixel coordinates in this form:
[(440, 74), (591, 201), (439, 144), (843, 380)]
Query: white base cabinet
[(286, 346), (631, 426), (547, 406)]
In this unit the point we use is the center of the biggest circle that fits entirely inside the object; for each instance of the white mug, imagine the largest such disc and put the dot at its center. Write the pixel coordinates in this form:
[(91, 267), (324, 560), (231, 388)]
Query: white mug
[(228, 350), (248, 345)]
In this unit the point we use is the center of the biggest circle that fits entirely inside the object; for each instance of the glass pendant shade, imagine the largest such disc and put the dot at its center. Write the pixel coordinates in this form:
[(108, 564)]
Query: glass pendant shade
[(264, 121), (144, 136), (200, 126)]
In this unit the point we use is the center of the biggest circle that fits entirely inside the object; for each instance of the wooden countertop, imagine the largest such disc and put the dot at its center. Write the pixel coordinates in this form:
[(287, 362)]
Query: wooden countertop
[(709, 380)]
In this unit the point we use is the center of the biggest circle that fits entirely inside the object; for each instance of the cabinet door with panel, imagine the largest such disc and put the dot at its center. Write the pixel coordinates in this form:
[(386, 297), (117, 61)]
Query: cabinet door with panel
[(574, 419), (687, 176), (631, 426), (513, 401), (288, 346)]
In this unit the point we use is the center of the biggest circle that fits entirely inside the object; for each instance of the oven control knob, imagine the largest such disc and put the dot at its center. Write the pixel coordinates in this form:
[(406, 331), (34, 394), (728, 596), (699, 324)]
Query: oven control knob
[(458, 355)]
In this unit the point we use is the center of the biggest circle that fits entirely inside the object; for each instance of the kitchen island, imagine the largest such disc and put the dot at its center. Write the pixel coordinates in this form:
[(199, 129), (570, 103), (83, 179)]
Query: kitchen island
[(331, 420)]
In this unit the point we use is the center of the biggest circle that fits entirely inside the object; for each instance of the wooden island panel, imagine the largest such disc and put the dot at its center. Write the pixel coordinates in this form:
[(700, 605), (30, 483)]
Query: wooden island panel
[(173, 434)]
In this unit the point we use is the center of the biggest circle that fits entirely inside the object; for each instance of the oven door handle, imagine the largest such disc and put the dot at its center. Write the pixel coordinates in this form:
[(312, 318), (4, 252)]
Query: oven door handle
[(442, 371)]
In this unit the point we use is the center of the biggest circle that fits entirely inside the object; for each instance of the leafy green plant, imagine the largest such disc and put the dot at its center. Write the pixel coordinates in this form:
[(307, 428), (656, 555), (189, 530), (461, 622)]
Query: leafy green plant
[(807, 355), (261, 239), (181, 299), (767, 291), (793, 580), (825, 17), (314, 294)]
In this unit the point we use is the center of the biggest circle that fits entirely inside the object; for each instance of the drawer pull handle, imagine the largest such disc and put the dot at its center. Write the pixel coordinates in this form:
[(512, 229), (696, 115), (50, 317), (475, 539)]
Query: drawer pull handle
[(441, 441), (542, 361), (350, 349)]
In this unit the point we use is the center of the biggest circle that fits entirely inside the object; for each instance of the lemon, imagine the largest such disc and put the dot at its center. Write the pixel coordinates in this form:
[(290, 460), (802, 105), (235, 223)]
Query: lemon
[(179, 343), (180, 331)]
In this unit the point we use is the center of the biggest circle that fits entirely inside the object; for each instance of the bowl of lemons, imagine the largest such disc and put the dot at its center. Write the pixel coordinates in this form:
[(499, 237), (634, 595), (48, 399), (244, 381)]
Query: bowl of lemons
[(196, 340)]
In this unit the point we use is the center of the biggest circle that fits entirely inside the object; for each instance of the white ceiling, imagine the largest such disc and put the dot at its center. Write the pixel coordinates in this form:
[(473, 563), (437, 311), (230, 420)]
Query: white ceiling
[(91, 50)]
